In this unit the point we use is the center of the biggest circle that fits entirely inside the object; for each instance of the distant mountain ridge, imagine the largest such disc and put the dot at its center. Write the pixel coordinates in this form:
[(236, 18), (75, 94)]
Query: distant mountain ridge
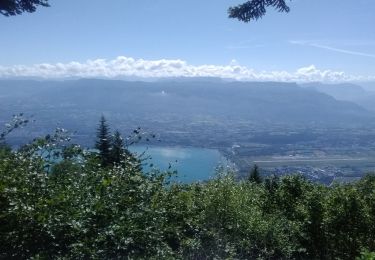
[(263, 101), (347, 92), (188, 109)]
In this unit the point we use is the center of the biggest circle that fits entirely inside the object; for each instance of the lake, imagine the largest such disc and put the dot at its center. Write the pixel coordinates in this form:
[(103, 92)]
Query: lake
[(192, 164)]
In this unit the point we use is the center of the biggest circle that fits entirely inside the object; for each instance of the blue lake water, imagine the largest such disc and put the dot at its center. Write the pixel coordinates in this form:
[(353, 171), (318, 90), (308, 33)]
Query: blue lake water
[(192, 164)]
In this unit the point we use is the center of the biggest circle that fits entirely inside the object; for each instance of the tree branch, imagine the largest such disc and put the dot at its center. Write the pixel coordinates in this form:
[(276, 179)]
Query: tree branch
[(256, 9)]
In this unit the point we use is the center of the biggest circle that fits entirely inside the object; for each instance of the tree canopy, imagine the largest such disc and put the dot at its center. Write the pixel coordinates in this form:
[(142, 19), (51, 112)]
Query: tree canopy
[(16, 7), (77, 209)]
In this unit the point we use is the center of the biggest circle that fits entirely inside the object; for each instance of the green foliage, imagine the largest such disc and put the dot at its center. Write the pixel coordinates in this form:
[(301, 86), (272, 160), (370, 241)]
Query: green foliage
[(113, 150), (103, 142), (365, 255), (77, 209)]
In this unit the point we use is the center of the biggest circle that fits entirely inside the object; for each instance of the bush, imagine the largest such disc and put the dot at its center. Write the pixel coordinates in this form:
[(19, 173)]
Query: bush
[(79, 209)]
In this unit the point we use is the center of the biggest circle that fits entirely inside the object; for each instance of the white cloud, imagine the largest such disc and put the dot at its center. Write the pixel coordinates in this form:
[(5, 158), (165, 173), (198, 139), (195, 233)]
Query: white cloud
[(122, 67)]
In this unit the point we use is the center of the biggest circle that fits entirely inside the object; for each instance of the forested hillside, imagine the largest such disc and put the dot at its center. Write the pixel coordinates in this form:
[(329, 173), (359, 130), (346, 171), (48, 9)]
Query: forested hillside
[(88, 205)]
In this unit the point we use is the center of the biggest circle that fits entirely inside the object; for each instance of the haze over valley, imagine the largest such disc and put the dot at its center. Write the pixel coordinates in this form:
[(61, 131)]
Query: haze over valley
[(324, 131)]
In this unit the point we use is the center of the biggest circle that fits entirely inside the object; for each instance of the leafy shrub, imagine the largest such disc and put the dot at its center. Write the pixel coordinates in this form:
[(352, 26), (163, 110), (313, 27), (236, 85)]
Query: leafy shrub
[(77, 208)]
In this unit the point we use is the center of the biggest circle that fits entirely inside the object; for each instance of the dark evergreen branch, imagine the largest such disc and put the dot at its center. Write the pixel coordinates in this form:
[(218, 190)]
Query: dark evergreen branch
[(17, 7), (256, 9)]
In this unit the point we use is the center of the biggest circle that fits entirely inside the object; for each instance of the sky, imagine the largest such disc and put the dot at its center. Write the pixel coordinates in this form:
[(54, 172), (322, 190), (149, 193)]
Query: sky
[(319, 40)]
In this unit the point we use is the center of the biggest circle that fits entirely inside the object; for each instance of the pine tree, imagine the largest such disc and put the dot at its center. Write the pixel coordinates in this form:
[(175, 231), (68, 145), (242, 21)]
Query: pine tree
[(255, 175), (103, 142), (118, 148), (122, 155)]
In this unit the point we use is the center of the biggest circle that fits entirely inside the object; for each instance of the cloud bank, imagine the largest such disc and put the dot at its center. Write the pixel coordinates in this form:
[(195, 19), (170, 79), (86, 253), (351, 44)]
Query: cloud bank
[(126, 67)]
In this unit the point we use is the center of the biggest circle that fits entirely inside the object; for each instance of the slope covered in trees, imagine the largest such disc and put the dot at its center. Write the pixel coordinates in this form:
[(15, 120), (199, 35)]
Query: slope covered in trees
[(81, 209)]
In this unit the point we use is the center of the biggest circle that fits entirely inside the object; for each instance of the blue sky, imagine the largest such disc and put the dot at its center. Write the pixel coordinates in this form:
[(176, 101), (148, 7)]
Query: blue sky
[(319, 36)]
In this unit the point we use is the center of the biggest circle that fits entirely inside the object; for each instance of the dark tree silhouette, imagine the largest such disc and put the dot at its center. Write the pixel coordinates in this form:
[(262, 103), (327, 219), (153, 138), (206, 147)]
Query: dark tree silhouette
[(256, 9), (254, 175), (250, 10), (121, 155), (16, 7), (118, 148), (103, 142)]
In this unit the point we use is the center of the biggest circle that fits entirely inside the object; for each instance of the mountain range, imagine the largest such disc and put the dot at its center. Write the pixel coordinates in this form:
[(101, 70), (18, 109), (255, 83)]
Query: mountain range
[(184, 103)]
